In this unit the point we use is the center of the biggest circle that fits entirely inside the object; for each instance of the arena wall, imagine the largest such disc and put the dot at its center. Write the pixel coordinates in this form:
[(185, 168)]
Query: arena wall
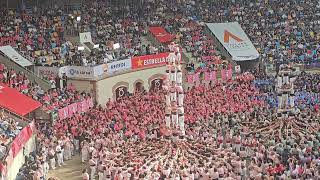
[(106, 88)]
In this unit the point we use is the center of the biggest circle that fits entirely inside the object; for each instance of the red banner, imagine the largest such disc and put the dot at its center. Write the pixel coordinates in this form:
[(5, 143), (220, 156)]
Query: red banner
[(161, 34), (20, 140), (149, 60)]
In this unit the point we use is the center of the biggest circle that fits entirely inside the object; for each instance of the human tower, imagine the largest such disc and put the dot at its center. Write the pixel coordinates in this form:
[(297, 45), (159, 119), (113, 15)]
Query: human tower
[(285, 91), (172, 84)]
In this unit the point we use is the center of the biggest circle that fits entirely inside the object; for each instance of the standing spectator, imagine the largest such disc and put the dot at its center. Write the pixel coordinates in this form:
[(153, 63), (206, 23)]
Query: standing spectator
[(64, 80)]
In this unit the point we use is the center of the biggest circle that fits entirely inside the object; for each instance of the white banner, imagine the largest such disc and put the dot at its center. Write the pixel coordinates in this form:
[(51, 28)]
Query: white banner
[(234, 40), (118, 66), (85, 37), (44, 71), (79, 72), (15, 56), (100, 70)]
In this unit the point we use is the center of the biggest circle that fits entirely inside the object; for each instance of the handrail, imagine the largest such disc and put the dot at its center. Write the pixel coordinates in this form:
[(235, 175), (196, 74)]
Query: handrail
[(31, 75), (9, 145)]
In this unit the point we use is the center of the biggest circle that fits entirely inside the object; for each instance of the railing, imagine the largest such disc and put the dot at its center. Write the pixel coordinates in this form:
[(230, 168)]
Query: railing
[(312, 65), (23, 54), (30, 75), (16, 116)]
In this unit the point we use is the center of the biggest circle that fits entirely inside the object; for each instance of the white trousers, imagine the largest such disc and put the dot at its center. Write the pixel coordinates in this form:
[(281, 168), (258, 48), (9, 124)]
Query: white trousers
[(76, 143), (84, 157), (173, 96), (101, 176), (179, 77), (279, 80), (67, 154), (168, 101), (168, 121), (52, 163), (280, 101), (181, 123), (59, 159), (292, 101), (175, 120), (92, 172), (180, 99), (285, 79), (285, 99)]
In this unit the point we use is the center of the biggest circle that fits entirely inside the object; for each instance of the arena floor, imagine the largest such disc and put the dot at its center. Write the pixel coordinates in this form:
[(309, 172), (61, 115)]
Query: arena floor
[(72, 170)]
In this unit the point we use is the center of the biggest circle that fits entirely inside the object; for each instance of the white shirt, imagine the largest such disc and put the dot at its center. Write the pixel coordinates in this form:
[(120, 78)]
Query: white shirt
[(85, 176)]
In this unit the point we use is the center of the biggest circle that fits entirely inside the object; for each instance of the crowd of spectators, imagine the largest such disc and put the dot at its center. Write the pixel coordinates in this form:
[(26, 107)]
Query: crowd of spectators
[(59, 95), (9, 129), (279, 30)]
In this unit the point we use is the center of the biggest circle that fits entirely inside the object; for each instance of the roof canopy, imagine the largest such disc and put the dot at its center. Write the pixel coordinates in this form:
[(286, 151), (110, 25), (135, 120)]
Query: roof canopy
[(16, 102)]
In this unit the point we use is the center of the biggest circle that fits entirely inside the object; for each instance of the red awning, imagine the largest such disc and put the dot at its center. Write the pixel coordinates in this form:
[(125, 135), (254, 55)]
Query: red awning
[(16, 102)]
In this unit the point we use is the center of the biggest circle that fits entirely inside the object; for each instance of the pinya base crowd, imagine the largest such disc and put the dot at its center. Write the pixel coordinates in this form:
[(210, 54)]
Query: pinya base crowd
[(231, 132)]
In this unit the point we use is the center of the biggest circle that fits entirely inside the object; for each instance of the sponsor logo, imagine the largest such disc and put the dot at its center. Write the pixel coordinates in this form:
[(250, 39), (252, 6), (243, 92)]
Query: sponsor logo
[(78, 72), (119, 65), (155, 61), (228, 35), (72, 71)]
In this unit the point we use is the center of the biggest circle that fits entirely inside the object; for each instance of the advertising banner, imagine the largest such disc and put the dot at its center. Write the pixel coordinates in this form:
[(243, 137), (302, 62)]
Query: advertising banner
[(234, 40), (149, 60), (118, 66), (15, 56), (161, 34), (78, 107), (20, 140), (44, 71), (79, 72)]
